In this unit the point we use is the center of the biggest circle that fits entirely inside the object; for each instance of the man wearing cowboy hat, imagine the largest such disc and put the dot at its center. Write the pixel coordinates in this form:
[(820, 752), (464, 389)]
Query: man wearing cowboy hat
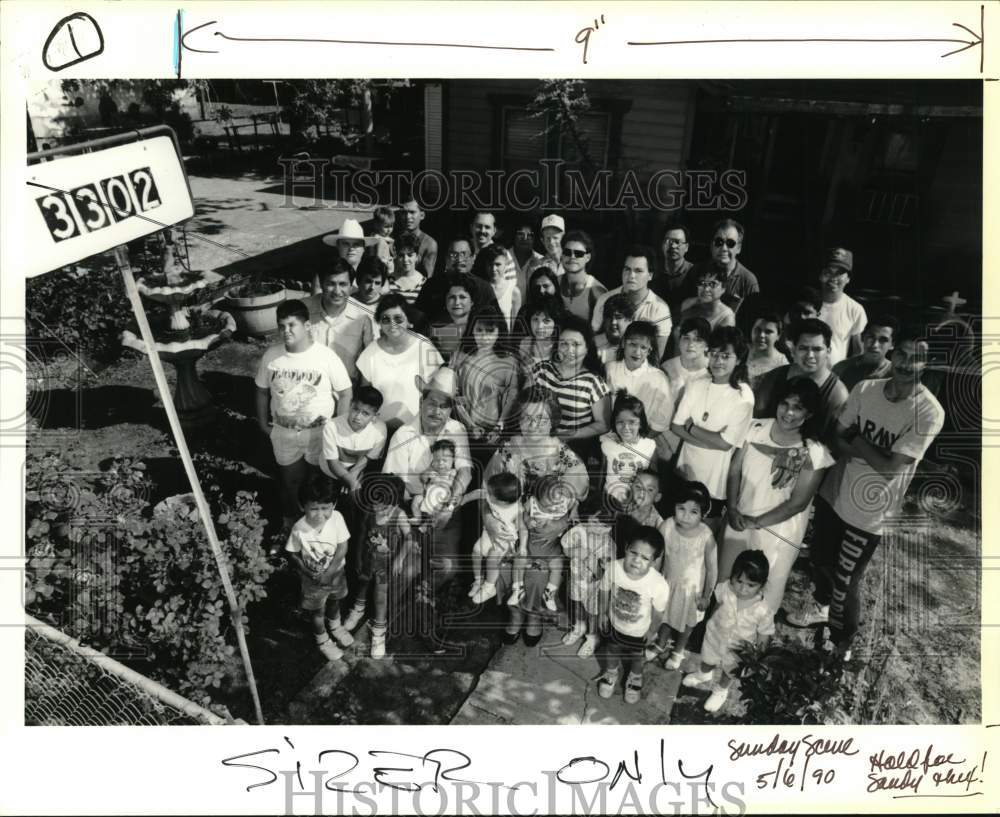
[(350, 241), (410, 455)]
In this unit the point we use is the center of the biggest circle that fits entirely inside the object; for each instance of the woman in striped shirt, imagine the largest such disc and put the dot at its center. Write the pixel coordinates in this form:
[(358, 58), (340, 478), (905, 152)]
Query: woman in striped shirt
[(575, 375), (406, 280)]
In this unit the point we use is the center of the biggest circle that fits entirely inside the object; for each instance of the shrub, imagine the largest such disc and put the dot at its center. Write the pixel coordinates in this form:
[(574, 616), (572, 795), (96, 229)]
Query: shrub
[(84, 306), (134, 581), (791, 683)]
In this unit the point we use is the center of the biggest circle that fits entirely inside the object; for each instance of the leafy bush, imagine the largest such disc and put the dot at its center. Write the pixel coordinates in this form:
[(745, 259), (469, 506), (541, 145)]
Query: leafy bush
[(791, 683), (128, 579), (85, 307)]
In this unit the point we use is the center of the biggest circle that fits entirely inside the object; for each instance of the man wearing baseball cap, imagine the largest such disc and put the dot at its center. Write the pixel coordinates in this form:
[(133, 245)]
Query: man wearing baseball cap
[(845, 316), (553, 229)]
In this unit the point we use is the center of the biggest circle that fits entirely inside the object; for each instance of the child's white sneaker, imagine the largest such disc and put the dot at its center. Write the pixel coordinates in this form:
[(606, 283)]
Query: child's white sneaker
[(485, 592), (378, 643), (331, 652), (606, 683), (674, 661), (516, 594), (549, 597), (716, 699), (588, 646), (342, 637), (633, 688), (575, 634), (475, 587), (354, 618), (696, 679)]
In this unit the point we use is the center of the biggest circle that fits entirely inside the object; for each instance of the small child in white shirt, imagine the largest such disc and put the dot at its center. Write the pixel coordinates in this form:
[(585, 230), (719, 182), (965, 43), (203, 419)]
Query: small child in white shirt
[(503, 530), (317, 545)]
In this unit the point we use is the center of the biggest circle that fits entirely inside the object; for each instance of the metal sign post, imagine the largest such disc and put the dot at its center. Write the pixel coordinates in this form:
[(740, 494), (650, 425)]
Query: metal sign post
[(104, 196)]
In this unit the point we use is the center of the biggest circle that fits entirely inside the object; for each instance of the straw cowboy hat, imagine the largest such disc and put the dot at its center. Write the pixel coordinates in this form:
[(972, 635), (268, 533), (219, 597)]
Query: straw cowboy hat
[(350, 230), (443, 380)]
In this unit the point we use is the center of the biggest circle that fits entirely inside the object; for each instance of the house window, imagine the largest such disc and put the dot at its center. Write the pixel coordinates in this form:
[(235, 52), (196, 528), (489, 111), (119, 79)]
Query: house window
[(525, 140)]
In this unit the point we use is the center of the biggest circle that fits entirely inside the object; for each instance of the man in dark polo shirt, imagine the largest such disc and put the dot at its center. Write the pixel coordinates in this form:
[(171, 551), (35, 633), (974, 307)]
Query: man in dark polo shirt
[(810, 343), (673, 284), (427, 248), (724, 250)]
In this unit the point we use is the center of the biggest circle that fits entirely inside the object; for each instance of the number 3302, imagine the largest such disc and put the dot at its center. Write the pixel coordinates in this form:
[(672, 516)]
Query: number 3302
[(101, 204)]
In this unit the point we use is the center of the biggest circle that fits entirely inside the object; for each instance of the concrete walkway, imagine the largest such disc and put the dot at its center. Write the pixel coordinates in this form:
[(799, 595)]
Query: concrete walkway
[(549, 685), (245, 225)]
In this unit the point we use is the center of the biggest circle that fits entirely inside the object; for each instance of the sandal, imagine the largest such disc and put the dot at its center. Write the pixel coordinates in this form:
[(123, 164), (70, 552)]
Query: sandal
[(654, 651)]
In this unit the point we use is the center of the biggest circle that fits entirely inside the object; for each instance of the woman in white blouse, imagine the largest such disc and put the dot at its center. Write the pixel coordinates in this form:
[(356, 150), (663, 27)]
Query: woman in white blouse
[(713, 418)]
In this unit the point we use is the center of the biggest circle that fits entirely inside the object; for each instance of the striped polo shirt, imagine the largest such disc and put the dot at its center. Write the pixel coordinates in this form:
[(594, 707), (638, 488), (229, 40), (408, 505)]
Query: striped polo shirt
[(577, 395)]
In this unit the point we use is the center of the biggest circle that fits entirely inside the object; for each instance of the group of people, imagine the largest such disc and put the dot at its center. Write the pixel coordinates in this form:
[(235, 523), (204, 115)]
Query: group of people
[(640, 457)]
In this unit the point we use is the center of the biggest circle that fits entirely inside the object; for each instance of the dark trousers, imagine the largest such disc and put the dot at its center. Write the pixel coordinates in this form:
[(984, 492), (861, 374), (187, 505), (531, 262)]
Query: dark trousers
[(840, 553), (616, 647)]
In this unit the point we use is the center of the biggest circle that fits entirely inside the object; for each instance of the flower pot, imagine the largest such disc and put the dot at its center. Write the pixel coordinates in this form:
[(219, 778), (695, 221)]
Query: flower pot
[(256, 313)]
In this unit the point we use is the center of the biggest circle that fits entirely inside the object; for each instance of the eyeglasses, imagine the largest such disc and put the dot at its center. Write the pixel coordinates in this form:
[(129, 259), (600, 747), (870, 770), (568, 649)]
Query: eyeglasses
[(729, 242), (721, 356), (674, 241), (396, 319), (459, 254), (575, 253)]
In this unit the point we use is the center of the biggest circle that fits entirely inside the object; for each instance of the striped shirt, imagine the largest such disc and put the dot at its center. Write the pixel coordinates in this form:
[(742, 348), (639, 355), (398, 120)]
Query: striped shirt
[(577, 396), (409, 287)]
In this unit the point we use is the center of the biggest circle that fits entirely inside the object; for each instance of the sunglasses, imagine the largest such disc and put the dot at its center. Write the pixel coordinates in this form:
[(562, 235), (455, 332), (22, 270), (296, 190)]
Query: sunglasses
[(729, 242), (575, 253), (396, 319)]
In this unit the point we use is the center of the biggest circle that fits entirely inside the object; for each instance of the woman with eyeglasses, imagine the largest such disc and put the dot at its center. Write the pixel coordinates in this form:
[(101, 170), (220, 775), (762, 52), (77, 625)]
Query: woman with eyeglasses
[(392, 362), (713, 418), (534, 453)]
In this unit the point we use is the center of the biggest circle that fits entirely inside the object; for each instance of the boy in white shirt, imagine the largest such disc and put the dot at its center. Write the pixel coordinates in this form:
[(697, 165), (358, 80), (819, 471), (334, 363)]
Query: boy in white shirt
[(317, 545), (845, 316), (354, 440), (301, 382)]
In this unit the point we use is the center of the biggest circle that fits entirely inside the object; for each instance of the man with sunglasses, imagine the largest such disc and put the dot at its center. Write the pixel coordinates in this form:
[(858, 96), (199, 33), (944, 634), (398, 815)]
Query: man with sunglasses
[(724, 250)]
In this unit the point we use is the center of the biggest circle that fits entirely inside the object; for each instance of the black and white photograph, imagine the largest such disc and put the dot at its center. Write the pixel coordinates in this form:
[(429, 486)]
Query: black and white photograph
[(503, 402)]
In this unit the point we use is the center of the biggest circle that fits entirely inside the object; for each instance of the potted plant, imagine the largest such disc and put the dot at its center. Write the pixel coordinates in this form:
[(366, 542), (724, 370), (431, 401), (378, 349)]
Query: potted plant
[(254, 305)]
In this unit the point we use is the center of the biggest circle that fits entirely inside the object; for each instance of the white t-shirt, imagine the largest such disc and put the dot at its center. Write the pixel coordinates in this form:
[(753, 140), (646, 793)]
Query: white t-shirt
[(858, 494), (303, 385), (648, 384), (633, 600), (714, 407), (761, 468), (653, 309), (344, 444), (679, 377), (624, 461), (845, 317), (318, 547), (394, 376)]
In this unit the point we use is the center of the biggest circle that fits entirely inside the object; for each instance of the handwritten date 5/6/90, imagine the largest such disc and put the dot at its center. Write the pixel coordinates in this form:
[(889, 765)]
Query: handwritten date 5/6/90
[(786, 774)]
